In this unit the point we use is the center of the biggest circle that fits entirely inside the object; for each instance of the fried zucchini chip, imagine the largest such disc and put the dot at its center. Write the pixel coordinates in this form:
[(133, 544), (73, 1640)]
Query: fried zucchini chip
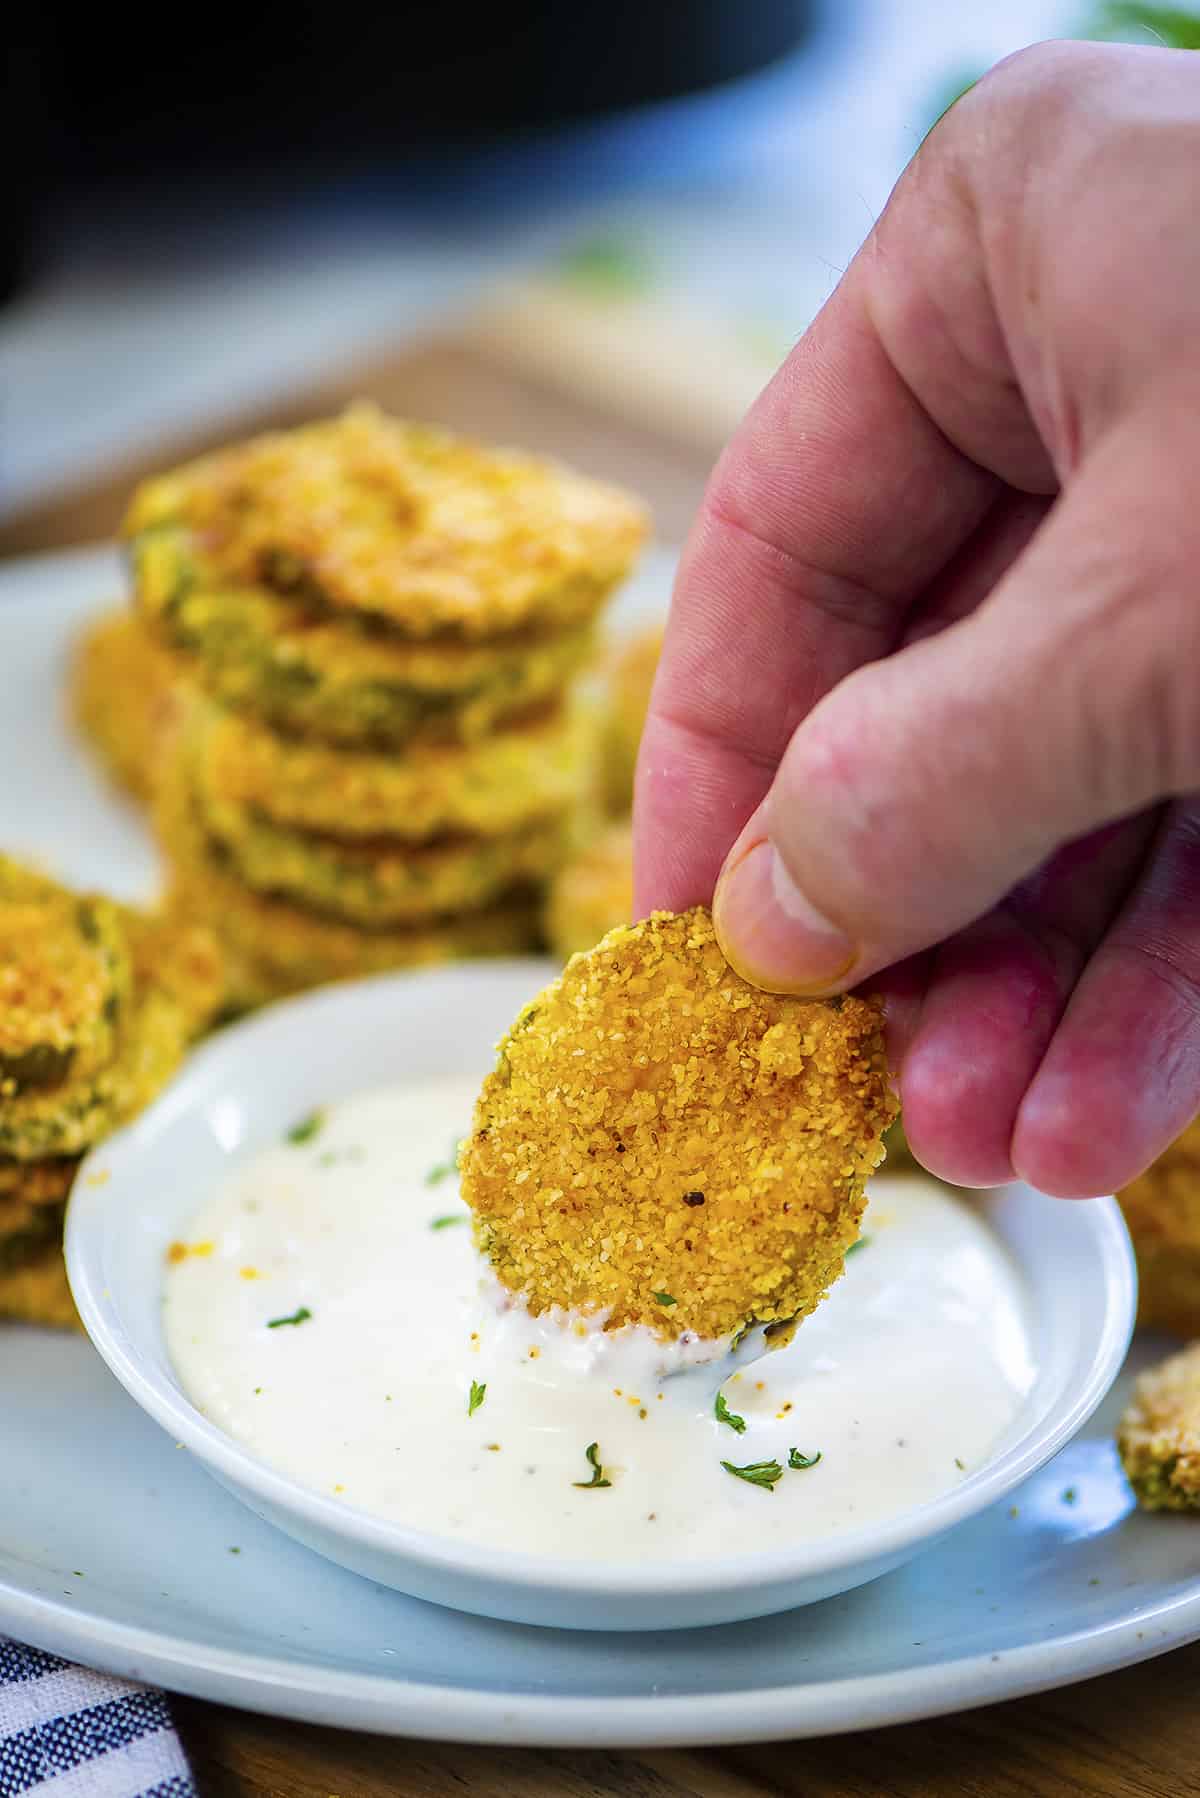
[(592, 893), (665, 1144), (33, 1279), (65, 980), (1159, 1434), (338, 678), (379, 882), (372, 515), (124, 698), (523, 773), (1162, 1209), (627, 680), (273, 947), (178, 980)]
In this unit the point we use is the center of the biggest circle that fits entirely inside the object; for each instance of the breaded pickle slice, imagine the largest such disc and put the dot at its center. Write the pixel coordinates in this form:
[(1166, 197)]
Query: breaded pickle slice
[(378, 882), (36, 1183), (373, 515), (591, 893), (524, 772), (124, 698), (1159, 1434), (65, 979), (667, 1145), (178, 982), (627, 680), (1162, 1209), (274, 947), (335, 678), (33, 1279)]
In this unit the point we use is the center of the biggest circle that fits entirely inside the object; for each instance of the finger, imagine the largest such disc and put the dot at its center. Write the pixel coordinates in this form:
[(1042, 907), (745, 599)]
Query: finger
[(833, 507), (994, 998), (1121, 1077), (920, 791)]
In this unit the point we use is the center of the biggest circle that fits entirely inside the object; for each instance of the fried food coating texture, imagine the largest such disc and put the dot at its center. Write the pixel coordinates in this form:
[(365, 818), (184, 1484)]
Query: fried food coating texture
[(523, 773), (341, 678), (178, 981), (380, 882), (667, 1144), (274, 947), (1162, 1209), (627, 682), (592, 893), (374, 515), (33, 1279), (65, 978), (124, 698), (1159, 1434)]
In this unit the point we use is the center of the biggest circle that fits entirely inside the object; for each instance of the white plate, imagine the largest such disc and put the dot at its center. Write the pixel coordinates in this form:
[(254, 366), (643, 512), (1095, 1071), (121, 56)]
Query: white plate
[(115, 1546), (242, 1090)]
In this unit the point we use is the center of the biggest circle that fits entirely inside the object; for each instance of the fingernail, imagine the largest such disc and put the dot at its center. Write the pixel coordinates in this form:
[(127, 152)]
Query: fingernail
[(769, 932)]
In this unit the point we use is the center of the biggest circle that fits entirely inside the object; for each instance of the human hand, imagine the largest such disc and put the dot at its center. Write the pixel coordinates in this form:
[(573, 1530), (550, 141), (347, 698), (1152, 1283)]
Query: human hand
[(933, 662)]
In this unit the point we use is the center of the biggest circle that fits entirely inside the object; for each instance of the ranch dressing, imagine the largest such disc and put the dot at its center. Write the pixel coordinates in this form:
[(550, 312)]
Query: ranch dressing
[(329, 1311)]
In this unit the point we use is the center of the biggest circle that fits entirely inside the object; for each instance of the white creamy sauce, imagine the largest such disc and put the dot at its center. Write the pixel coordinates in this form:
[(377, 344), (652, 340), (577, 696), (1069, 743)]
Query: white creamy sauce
[(902, 1380)]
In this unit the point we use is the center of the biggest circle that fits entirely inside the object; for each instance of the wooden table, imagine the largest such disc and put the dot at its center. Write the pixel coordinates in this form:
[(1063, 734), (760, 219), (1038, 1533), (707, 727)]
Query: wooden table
[(1134, 1734)]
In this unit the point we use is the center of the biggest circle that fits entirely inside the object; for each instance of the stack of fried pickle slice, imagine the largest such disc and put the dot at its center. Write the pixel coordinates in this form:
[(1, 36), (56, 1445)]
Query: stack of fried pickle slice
[(97, 1006), (381, 764)]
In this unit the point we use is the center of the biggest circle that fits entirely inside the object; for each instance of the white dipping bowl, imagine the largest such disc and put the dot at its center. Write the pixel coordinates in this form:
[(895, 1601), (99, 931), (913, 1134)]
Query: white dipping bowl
[(241, 1091)]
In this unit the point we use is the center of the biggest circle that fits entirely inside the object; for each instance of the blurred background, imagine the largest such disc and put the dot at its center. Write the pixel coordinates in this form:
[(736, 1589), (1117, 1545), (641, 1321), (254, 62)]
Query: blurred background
[(589, 230)]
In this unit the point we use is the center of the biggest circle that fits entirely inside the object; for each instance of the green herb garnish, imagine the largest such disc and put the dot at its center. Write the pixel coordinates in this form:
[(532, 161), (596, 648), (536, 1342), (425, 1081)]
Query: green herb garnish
[(1070, 1496), (592, 1451), (450, 1217), (307, 1127), (300, 1316), (756, 1473), (799, 1461), (723, 1414), (861, 1243), (444, 1170), (478, 1394), (663, 1298)]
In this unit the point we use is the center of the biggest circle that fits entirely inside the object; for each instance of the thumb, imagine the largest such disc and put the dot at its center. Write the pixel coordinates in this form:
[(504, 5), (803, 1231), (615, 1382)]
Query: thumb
[(921, 789)]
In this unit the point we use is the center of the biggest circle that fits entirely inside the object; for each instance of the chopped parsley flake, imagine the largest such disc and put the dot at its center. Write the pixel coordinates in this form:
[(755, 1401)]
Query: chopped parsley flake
[(300, 1316), (447, 1219), (663, 1298), (799, 1461), (960, 1463), (444, 1170), (307, 1128), (1070, 1496), (478, 1394), (592, 1452), (861, 1243), (723, 1414), (756, 1473)]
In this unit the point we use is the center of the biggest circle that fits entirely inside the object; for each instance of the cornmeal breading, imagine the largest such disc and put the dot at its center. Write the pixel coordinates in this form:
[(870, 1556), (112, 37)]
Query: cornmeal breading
[(372, 515), (664, 1143), (274, 947), (1162, 1209), (124, 698), (33, 1279), (523, 773), (342, 679), (177, 983), (65, 978), (1159, 1434), (627, 681), (591, 893), (380, 882)]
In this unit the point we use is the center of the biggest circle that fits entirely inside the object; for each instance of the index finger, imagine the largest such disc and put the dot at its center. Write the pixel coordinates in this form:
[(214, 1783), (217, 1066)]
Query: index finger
[(834, 505)]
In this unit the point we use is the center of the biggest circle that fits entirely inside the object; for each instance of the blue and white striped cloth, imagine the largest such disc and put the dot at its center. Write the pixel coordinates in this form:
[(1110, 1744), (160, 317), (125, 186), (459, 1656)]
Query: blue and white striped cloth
[(68, 1733)]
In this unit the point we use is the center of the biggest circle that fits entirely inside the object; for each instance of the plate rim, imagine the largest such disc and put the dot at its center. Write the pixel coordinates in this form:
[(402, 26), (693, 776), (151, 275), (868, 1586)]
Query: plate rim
[(382, 1705)]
